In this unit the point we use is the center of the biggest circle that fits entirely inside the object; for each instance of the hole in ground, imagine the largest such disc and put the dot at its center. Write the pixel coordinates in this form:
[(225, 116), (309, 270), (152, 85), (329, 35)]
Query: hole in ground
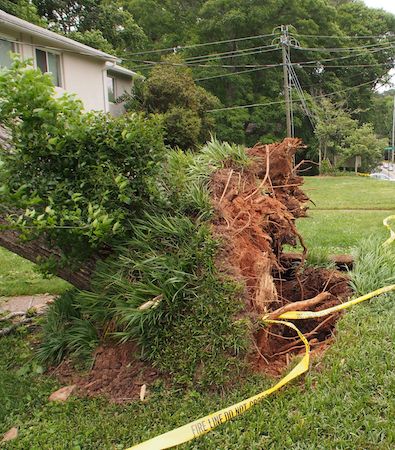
[(277, 343)]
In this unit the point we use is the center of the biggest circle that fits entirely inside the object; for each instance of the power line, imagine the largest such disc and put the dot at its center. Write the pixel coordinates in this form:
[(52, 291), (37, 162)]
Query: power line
[(233, 52), (338, 49), (295, 79), (304, 64), (278, 102), (337, 36), (269, 66), (333, 66), (195, 63), (153, 63), (273, 66), (182, 47)]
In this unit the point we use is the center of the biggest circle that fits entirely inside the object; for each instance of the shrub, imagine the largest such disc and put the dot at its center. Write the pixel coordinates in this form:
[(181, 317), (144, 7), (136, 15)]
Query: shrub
[(66, 332), (164, 292), (182, 127), (171, 90), (78, 177)]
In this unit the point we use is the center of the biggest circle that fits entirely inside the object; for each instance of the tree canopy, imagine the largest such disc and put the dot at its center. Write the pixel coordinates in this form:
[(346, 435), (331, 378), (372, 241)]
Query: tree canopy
[(342, 47)]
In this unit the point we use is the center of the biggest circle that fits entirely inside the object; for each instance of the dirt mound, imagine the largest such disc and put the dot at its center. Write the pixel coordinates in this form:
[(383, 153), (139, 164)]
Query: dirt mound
[(116, 373)]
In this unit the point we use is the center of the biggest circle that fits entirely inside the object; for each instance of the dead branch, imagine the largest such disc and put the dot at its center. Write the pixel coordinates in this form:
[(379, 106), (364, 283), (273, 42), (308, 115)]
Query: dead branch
[(8, 330), (12, 315)]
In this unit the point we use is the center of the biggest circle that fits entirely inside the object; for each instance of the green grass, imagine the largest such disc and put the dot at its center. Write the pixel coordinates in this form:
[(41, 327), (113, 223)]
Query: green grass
[(18, 277), (346, 401), (350, 192), (338, 231)]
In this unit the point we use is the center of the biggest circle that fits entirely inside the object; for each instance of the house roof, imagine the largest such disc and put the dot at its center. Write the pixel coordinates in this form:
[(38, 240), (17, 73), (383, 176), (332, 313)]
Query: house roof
[(114, 68), (20, 25)]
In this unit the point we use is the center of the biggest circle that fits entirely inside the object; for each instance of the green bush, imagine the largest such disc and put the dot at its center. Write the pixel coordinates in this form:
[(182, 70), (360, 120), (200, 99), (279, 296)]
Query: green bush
[(170, 90), (77, 177), (66, 332), (182, 127)]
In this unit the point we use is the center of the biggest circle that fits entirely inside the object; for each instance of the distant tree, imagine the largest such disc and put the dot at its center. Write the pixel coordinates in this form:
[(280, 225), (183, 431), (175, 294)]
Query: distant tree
[(341, 137), (24, 9), (116, 25), (380, 114), (362, 141), (126, 27), (92, 38)]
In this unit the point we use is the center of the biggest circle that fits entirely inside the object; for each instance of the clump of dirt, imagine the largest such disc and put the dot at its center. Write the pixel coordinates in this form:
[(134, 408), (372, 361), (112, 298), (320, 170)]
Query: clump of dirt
[(256, 208), (116, 373)]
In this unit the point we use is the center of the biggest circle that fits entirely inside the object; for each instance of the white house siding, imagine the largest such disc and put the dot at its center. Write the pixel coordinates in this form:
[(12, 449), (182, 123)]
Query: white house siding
[(81, 74)]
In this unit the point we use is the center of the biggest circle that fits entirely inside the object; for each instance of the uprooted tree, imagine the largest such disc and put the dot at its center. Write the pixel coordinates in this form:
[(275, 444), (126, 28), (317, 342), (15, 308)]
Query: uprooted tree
[(179, 253)]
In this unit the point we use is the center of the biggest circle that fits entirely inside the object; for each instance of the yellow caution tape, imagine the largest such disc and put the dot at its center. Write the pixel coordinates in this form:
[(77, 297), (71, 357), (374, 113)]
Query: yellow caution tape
[(294, 315), (386, 222), (362, 174), (205, 424)]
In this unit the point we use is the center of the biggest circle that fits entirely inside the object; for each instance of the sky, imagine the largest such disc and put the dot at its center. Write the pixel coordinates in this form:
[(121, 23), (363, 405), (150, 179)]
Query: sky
[(388, 5)]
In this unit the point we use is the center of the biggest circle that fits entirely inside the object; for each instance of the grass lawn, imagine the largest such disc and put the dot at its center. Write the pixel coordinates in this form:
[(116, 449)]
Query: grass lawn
[(346, 401), (350, 192), (364, 203), (18, 277)]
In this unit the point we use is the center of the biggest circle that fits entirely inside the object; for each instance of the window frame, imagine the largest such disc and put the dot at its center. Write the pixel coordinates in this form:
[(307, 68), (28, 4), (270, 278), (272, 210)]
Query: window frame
[(11, 40), (60, 61), (114, 85)]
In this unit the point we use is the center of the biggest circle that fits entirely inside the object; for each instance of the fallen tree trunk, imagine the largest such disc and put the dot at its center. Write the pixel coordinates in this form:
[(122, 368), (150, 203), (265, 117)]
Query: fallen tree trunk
[(38, 249)]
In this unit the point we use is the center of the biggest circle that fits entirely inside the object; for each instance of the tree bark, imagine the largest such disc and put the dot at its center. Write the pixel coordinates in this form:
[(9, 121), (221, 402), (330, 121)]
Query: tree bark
[(39, 249)]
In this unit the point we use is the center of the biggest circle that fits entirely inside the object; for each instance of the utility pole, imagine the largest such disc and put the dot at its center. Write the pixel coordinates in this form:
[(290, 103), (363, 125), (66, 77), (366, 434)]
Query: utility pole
[(284, 40), (393, 135)]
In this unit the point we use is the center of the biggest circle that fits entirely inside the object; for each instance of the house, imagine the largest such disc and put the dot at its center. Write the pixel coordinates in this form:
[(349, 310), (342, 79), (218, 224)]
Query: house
[(94, 76)]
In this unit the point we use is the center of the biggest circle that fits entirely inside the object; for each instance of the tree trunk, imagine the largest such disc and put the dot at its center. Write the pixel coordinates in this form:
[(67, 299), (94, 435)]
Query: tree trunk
[(38, 248)]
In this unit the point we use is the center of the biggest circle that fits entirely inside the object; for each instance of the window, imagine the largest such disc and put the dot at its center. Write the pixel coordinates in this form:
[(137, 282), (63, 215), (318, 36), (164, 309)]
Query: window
[(49, 62), (5, 48), (111, 88)]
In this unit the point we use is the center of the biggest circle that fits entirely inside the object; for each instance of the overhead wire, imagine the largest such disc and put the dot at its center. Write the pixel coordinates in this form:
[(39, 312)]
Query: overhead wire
[(296, 82), (196, 63), (337, 49), (151, 64), (304, 64), (279, 102), (234, 52), (203, 44), (336, 36)]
